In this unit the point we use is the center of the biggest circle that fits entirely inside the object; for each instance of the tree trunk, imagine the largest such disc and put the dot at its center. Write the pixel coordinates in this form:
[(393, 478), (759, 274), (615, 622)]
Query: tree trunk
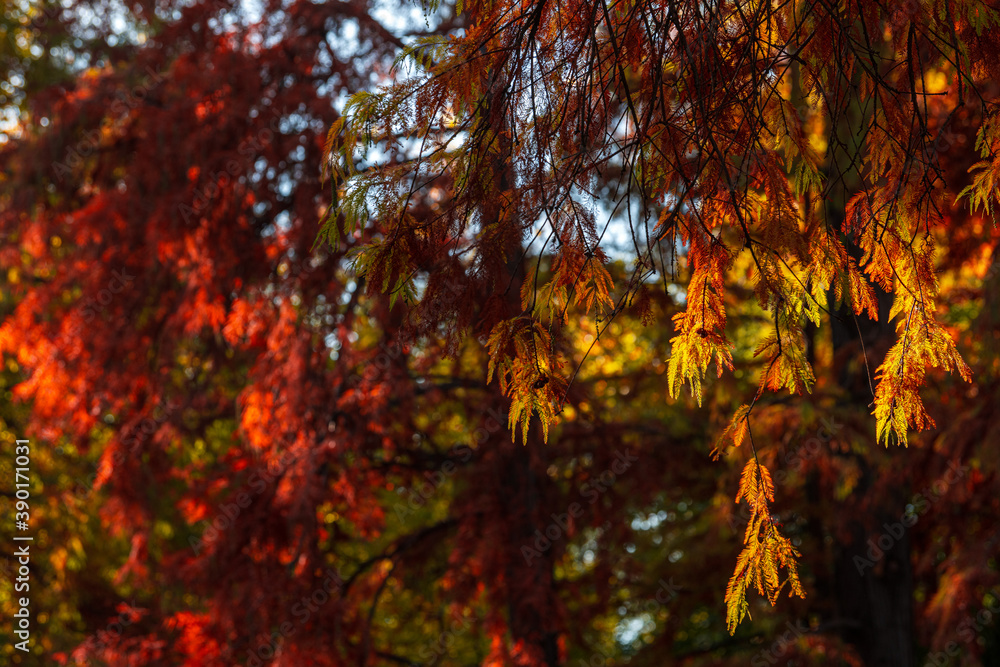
[(872, 582)]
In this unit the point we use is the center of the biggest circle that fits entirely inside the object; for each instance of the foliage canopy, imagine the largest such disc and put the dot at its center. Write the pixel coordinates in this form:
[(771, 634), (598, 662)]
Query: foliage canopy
[(459, 433), (708, 130)]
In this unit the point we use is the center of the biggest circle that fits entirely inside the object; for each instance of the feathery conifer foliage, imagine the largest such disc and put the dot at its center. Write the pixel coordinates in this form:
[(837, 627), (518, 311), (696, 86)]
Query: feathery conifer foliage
[(250, 454), (708, 130)]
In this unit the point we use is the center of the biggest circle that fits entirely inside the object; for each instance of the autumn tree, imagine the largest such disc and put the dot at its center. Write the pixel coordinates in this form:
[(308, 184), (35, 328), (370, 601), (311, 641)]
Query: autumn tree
[(448, 436), (812, 157), (170, 330)]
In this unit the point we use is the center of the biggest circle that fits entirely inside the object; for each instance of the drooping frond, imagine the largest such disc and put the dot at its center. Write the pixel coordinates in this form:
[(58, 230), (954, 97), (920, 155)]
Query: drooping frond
[(765, 550)]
